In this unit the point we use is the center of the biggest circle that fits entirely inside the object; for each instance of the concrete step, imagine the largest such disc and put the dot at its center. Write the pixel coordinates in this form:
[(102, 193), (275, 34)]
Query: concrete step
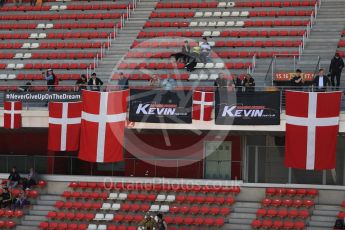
[(322, 224), (34, 218), (323, 218), (325, 213), (30, 223), (38, 212), (328, 207), (50, 197), (42, 208), (247, 205), (237, 215), (240, 221), (26, 227), (45, 202), (236, 227)]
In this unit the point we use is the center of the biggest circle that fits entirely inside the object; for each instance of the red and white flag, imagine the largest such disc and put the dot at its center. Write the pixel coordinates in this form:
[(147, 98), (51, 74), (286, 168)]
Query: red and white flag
[(312, 125), (103, 126), (13, 114), (202, 105), (64, 126)]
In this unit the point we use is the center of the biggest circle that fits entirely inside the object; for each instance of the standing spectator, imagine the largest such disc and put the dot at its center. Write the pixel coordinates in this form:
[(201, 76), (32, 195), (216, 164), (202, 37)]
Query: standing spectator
[(30, 180), (95, 83), (32, 2), (236, 82), (17, 2), (81, 83), (154, 81), (161, 223), (20, 201), (123, 81), (335, 68), (6, 198), (297, 80), (321, 81), (205, 51), (148, 223), (186, 51), (13, 178), (221, 81), (51, 79), (248, 83)]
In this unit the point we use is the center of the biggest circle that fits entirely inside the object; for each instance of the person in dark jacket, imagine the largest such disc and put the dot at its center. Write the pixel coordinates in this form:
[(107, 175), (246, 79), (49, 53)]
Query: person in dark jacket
[(51, 79), (236, 82), (5, 198), (186, 51), (297, 80), (13, 178), (95, 83), (248, 83), (335, 68), (321, 81), (81, 83), (123, 81)]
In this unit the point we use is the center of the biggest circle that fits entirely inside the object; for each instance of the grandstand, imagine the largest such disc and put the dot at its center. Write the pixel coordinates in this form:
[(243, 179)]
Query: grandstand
[(200, 173)]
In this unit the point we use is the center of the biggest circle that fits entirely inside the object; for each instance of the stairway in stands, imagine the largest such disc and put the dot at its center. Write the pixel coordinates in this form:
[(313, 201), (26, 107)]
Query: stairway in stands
[(242, 215)]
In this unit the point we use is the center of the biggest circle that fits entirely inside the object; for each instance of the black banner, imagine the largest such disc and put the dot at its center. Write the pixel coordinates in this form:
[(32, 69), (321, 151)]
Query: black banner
[(42, 96), (252, 108), (160, 106)]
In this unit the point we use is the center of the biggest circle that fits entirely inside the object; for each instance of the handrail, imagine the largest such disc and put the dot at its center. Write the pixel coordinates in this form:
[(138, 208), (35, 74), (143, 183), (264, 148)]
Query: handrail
[(317, 67), (269, 67)]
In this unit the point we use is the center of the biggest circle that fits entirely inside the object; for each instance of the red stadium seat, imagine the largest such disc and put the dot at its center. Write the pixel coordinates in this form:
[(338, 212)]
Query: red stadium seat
[(256, 224)]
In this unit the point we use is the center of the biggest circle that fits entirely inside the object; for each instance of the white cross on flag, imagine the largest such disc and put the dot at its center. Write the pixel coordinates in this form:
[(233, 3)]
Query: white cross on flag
[(64, 126), (13, 114), (202, 105), (103, 126), (312, 125)]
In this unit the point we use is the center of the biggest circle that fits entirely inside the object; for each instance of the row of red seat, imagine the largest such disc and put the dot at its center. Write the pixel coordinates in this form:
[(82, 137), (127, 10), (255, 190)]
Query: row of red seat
[(156, 187), (291, 192), (30, 193), (154, 65), (9, 224), (341, 43), (87, 35), (57, 45), (282, 213), (270, 23), (85, 195), (278, 224), (11, 213), (227, 33), (81, 25), (204, 210), (288, 202), (74, 226), (69, 7), (54, 65), (238, 4), (73, 16), (274, 13), (30, 77), (138, 76)]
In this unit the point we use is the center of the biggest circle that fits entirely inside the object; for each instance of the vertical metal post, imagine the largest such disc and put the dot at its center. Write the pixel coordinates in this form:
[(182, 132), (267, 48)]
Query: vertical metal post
[(294, 62), (324, 177), (245, 166), (97, 58), (344, 171), (256, 164), (71, 165), (290, 176)]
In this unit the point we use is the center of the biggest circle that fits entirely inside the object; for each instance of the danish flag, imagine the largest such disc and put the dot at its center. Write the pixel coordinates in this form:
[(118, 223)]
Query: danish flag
[(103, 126), (312, 125), (202, 105), (13, 114), (64, 126)]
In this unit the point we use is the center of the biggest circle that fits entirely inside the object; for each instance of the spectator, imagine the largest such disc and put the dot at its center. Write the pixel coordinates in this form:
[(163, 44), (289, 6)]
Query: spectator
[(154, 81), (236, 82), (2, 2), (335, 68), (168, 83), (81, 83), (51, 79), (25, 88), (161, 223), (6, 198), (32, 2), (205, 51), (148, 223), (123, 81), (321, 81), (186, 51), (17, 2), (221, 81), (20, 201), (297, 80), (30, 180), (248, 83), (339, 224), (95, 83), (13, 178)]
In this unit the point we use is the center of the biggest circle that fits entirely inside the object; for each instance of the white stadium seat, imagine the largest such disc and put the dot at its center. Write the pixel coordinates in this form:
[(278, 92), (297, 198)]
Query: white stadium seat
[(20, 66), (49, 26), (220, 24), (26, 45), (63, 7), (204, 76), (230, 23), (244, 14), (239, 23), (207, 33), (170, 198), (217, 14), (160, 197), (193, 76), (235, 13), (27, 55), (122, 196), (164, 208), (41, 26), (11, 76), (215, 33), (18, 55), (106, 206), (207, 66), (34, 45), (202, 23), (193, 24), (199, 65), (11, 66), (3, 76), (54, 7), (33, 35), (112, 196), (116, 207), (231, 4), (208, 14), (99, 216), (92, 227), (222, 4), (212, 23), (102, 227), (154, 208), (42, 35), (213, 76), (219, 65), (109, 217), (198, 14), (226, 14)]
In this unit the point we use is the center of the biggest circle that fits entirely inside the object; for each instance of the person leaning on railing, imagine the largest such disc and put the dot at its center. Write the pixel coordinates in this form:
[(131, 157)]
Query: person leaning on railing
[(297, 80), (248, 83), (81, 83), (321, 81), (95, 83)]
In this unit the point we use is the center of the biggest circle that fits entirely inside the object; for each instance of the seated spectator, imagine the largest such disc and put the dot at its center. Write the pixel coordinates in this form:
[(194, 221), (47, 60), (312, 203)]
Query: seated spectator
[(205, 51), (168, 83), (81, 83), (95, 83), (339, 224), (30, 180), (21, 201), (6, 198), (248, 83), (297, 80), (154, 81), (148, 223), (161, 223), (321, 81), (13, 178), (123, 82)]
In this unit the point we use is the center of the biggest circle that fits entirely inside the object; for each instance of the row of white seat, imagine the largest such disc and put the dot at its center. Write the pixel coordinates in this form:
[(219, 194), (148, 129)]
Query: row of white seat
[(221, 14), (22, 55), (97, 227), (5, 76), (202, 76), (28, 45), (58, 7), (38, 35), (217, 24), (117, 196), (218, 65), (44, 26), (15, 66), (226, 4)]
